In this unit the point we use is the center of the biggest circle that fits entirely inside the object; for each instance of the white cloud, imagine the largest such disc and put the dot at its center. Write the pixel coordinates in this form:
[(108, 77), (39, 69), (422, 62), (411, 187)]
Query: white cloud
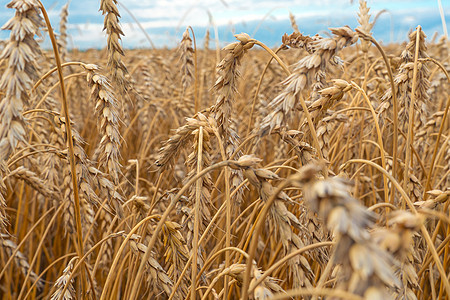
[(159, 17)]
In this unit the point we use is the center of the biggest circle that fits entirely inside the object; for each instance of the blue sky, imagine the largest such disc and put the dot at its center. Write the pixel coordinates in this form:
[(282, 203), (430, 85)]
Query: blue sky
[(266, 20)]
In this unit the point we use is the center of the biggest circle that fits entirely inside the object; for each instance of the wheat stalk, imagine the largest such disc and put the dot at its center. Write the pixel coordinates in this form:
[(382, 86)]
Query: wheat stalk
[(20, 54), (186, 60), (62, 38), (156, 273), (176, 253), (365, 24), (20, 259), (117, 68), (306, 71), (106, 109), (293, 22), (366, 269), (281, 218), (62, 281)]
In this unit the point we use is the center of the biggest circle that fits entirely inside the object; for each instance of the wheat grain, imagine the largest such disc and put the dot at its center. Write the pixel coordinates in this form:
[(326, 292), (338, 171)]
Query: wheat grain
[(308, 71), (106, 109), (187, 60), (20, 259), (20, 53), (156, 273), (116, 66), (282, 219), (62, 38), (366, 270), (62, 281)]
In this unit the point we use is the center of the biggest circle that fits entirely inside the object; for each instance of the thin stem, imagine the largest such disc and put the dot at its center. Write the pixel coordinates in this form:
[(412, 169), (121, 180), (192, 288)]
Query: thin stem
[(196, 95), (255, 236), (138, 24), (152, 242), (410, 137), (328, 268), (228, 208), (202, 238), (50, 72), (258, 88), (380, 138), (198, 194), (226, 250), (13, 254), (118, 254), (394, 101), (83, 258), (436, 147), (274, 55), (69, 140), (441, 13), (285, 259)]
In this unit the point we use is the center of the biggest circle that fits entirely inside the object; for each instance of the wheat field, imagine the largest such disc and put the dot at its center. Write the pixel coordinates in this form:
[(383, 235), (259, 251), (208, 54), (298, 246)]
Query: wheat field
[(316, 170)]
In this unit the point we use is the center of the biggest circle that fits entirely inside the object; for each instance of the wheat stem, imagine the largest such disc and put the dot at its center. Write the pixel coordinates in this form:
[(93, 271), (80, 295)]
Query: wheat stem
[(69, 140)]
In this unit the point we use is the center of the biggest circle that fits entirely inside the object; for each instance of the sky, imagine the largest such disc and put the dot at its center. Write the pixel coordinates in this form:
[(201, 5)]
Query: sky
[(164, 21)]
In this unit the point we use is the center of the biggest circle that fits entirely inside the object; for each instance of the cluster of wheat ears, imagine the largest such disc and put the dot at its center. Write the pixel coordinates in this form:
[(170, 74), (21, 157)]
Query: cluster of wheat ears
[(319, 169)]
